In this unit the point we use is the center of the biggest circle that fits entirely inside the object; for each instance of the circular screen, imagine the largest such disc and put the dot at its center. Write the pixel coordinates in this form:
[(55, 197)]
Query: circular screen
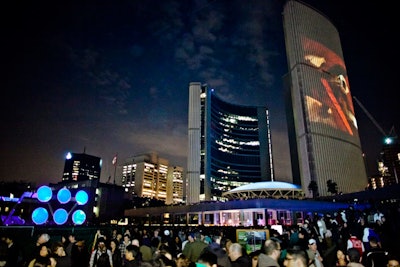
[(81, 197), (64, 195), (44, 193), (60, 216), (79, 217), (40, 215)]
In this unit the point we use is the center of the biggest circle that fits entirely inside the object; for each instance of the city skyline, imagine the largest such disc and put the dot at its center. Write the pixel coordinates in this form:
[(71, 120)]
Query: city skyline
[(112, 78)]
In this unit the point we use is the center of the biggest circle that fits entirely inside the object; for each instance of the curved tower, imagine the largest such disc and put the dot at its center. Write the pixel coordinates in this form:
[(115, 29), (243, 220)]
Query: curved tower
[(323, 134), (229, 145)]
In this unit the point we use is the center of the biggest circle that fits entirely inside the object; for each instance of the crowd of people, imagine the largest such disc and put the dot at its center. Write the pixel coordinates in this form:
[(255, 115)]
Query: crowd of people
[(344, 238)]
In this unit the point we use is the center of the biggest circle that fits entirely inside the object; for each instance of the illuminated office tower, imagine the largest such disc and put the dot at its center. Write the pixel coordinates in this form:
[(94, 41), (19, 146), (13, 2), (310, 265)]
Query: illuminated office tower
[(228, 145), (81, 167), (323, 133), (389, 162), (175, 185), (150, 176)]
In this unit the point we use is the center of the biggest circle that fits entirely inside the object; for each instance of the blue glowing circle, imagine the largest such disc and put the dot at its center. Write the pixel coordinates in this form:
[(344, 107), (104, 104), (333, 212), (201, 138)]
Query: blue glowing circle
[(64, 195), (81, 197), (44, 193), (78, 217), (60, 216), (40, 215)]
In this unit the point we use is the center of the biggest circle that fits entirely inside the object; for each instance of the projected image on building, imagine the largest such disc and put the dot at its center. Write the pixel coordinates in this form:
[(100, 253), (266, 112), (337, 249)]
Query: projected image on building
[(329, 100)]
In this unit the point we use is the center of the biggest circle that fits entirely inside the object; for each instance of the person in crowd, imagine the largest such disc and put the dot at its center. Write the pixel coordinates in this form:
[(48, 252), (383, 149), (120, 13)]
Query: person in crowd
[(114, 233), (375, 255), (101, 256), (145, 238), (354, 242), (116, 253), (207, 259), (341, 258), (64, 240), (71, 244), (215, 247), (315, 258), (354, 258), (195, 249), (238, 256), (302, 240), (321, 226), (181, 261), (270, 254), (254, 257), (42, 256), (295, 257), (60, 255), (378, 215), (168, 241), (136, 234), (131, 253), (177, 244), (136, 243), (190, 239), (99, 234), (145, 251), (3, 252), (33, 251), (80, 257), (293, 235), (125, 242), (393, 261), (13, 252), (226, 243), (155, 240)]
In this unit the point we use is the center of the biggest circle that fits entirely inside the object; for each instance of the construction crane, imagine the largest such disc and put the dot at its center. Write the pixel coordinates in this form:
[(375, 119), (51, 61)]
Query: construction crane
[(388, 139), (388, 136)]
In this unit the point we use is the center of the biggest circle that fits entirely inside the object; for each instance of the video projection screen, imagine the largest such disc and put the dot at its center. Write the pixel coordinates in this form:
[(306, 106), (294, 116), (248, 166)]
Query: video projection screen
[(251, 239)]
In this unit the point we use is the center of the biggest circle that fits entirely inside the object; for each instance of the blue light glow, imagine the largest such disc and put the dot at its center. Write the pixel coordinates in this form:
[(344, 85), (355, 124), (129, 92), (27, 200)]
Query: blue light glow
[(60, 216), (64, 195), (44, 193), (68, 156), (81, 197), (79, 217), (388, 141), (40, 215)]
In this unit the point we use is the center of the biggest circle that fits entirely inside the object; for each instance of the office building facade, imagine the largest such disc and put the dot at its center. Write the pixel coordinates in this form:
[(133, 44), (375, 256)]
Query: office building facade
[(81, 167), (323, 134), (150, 176), (228, 145)]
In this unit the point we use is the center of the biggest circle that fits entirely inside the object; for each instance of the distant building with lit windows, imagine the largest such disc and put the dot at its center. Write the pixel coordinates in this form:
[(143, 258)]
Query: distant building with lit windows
[(323, 132), (228, 145), (81, 167), (175, 185), (388, 165), (150, 176)]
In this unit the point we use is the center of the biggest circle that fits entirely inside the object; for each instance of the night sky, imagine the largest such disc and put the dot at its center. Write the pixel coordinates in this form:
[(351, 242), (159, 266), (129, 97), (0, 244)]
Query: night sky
[(112, 77)]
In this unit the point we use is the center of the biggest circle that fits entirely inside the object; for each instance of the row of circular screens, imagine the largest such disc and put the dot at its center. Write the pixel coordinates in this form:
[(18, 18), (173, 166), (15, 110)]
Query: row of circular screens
[(60, 216)]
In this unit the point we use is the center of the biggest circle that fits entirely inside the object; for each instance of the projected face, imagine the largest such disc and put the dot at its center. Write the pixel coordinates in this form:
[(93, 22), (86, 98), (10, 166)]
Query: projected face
[(330, 101)]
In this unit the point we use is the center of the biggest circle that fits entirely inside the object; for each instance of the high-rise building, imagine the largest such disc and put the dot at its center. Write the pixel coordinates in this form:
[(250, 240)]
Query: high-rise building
[(81, 167), (389, 163), (175, 185), (228, 145), (150, 176), (323, 134)]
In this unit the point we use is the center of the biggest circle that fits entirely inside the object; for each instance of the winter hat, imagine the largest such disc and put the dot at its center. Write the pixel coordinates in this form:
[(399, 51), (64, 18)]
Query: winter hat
[(312, 241)]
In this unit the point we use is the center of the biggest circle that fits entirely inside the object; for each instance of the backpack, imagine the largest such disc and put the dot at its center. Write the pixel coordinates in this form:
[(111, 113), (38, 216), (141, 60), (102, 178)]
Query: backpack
[(102, 261)]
